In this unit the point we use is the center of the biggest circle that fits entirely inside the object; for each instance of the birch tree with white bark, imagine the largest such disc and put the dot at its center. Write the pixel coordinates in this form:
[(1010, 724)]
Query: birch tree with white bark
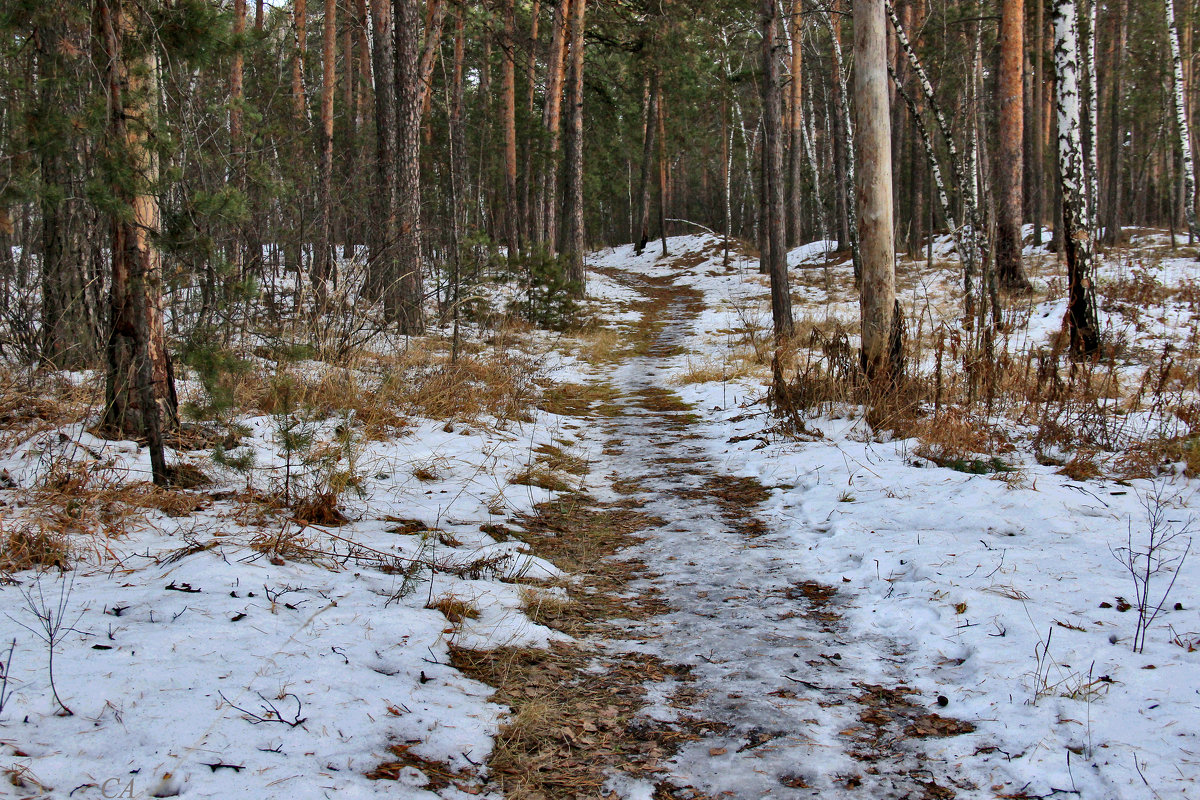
[(1078, 235), (1181, 120)]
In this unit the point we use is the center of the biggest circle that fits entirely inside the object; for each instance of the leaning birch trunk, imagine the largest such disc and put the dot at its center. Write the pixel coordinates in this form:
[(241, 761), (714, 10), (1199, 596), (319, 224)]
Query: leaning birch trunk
[(848, 132), (975, 232), (1077, 234), (1181, 120), (774, 225), (881, 345), (814, 173), (956, 232)]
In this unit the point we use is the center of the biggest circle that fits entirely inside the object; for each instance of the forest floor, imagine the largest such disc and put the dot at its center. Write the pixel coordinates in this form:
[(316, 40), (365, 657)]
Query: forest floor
[(599, 566)]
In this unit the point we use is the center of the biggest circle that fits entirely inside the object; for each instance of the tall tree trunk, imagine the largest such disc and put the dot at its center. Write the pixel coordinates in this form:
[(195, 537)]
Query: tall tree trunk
[(881, 341), (796, 125), (649, 132), (300, 33), (1039, 136), (1010, 157), (508, 87), (384, 235), (573, 201), (1076, 235), (545, 205), (405, 307), (458, 141), (323, 265), (66, 340), (435, 18), (140, 387), (1090, 115), (847, 134), (664, 184), (839, 138), (527, 226), (773, 258), (242, 255), (1181, 120), (1111, 214)]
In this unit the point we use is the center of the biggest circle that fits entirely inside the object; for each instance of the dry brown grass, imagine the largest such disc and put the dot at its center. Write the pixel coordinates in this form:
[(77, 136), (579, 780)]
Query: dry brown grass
[(956, 437), (455, 608), (26, 545), (599, 345)]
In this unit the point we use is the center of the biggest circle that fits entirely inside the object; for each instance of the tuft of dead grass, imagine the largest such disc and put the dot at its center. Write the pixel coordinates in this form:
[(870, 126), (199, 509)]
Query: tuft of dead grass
[(29, 546), (455, 608)]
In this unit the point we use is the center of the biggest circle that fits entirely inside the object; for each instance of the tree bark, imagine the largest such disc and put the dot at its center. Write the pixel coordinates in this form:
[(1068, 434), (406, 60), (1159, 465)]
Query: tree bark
[(435, 18), (1181, 120), (66, 330), (1039, 137), (384, 235), (573, 205), (140, 387), (1076, 236), (405, 299), (1111, 215), (881, 346), (796, 124), (649, 132), (508, 86), (300, 33), (323, 264), (545, 212), (1010, 155), (773, 258)]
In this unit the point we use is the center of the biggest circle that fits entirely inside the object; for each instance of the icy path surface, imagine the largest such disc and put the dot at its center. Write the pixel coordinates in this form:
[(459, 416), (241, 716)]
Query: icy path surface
[(764, 643)]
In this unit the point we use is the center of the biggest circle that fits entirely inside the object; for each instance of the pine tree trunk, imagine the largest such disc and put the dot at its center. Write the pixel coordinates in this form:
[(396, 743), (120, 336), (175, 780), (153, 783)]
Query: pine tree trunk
[(649, 132), (575, 243), (881, 345), (435, 19), (1010, 156), (383, 236), (1076, 235), (323, 264), (66, 340), (236, 145), (796, 124), (300, 32), (140, 387), (1111, 215), (405, 306), (545, 211), (664, 183), (527, 226), (1039, 136), (773, 257), (508, 86)]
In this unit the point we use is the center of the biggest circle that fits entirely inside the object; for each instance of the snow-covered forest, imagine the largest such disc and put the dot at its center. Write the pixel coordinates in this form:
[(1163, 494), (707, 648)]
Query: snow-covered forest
[(621, 399)]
